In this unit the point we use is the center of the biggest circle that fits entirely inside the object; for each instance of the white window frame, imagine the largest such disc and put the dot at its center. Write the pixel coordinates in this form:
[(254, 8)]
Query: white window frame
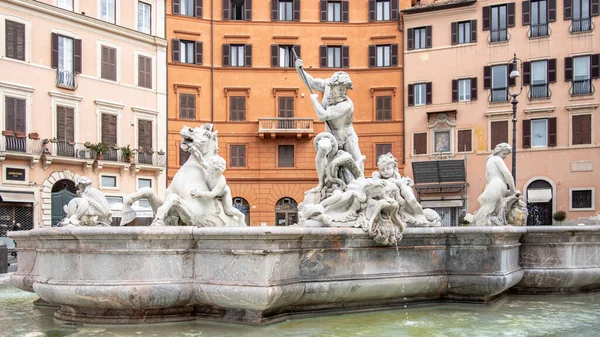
[(383, 9), (3, 18), (284, 61), (334, 56), (240, 53), (17, 91), (104, 187), (111, 108), (424, 90), (593, 208), (466, 92), (420, 35), (137, 184), (334, 11), (150, 3), (587, 67), (183, 51), (117, 21), (450, 141), (70, 101), (383, 55), (74, 3), (545, 120), (99, 44), (544, 73), (137, 53), (13, 182), (464, 34)]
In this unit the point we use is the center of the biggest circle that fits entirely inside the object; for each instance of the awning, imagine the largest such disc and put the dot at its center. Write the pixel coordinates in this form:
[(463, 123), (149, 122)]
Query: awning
[(539, 195), (17, 196)]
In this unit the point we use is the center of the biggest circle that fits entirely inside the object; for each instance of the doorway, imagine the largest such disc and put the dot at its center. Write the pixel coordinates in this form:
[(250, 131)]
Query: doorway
[(63, 191), (286, 212)]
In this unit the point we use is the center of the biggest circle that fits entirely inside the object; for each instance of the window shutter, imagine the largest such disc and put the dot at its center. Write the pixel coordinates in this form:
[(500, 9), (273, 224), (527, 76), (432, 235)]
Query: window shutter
[(226, 9), (175, 49), (10, 38), (198, 12), (296, 5), (487, 77), (486, 17), (199, 49), (473, 30), (568, 9), (149, 73), (226, 51), (409, 39), (526, 73), (411, 94), (77, 57), (248, 52), (511, 81), (568, 69), (586, 128), (464, 141), (191, 106), (595, 66), (420, 143), (298, 50), (394, 8), (526, 15), (394, 50), (551, 10), (552, 131), (274, 55), (60, 123), (113, 63), (372, 16), (345, 11), (242, 155), (176, 6), (499, 133), (428, 94), (454, 90), (510, 14), (233, 156), (428, 37), (274, 10), (323, 10), (454, 33), (595, 7), (70, 124), (145, 134), (182, 105), (372, 55), (54, 50), (345, 56), (21, 123), (323, 56), (248, 6), (9, 123), (551, 70), (526, 133), (473, 88)]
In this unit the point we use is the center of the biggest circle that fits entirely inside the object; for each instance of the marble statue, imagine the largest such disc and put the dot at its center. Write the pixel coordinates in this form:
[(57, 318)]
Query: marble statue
[(90, 208), (411, 211), (198, 195), (500, 203)]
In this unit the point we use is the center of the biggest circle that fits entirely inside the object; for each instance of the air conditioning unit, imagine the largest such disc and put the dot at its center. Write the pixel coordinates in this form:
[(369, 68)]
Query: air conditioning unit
[(84, 154)]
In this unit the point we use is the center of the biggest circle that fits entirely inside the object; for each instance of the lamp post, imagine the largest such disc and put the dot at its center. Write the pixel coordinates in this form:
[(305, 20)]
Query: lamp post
[(514, 74)]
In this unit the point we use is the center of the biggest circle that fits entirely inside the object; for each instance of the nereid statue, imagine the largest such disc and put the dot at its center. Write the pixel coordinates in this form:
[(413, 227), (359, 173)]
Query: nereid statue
[(198, 195), (500, 203), (90, 209)]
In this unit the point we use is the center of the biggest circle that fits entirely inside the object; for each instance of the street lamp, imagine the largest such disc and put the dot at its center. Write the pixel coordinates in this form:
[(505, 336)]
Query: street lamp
[(514, 74)]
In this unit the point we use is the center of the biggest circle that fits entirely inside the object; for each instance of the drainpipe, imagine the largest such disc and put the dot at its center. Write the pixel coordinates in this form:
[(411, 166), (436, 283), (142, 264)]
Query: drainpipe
[(401, 30), (167, 98), (212, 61)]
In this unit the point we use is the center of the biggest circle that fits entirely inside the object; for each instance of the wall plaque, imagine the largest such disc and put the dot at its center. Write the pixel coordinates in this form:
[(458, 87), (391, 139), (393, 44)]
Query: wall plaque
[(582, 166), (15, 174)]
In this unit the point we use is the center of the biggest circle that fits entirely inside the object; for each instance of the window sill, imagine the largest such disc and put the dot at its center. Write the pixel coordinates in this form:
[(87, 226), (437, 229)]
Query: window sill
[(581, 209), (538, 38), (582, 33), (498, 43), (498, 104), (581, 97)]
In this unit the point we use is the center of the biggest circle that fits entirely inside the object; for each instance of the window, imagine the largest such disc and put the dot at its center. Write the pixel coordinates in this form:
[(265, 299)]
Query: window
[(464, 32), (582, 199), (15, 40), (237, 56), (144, 72), (334, 57), (420, 94), (109, 129), (383, 10), (65, 4), (285, 156), (108, 68), (334, 11), (464, 90), (63, 59), (499, 83), (581, 20), (539, 132), (464, 142), (15, 114), (108, 181), (420, 143), (383, 108), (419, 38), (144, 183), (497, 19), (539, 18), (539, 79), (337, 11), (383, 56), (237, 10), (286, 10), (441, 141), (581, 75), (581, 129), (498, 133), (183, 156), (187, 106), (114, 200), (186, 51), (285, 112), (283, 55), (145, 150), (188, 7), (65, 130), (381, 149), (107, 10), (144, 15), (237, 156), (237, 108)]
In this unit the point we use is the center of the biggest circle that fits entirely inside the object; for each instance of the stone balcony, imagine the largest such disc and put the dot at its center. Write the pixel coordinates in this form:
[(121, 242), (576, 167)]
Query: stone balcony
[(274, 127)]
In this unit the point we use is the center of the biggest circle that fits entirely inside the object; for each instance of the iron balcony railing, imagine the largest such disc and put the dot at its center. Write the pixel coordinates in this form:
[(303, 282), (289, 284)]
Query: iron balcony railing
[(66, 79), (581, 25), (150, 158), (539, 91), (285, 124), (540, 29), (498, 95), (582, 87), (497, 35), (18, 144), (114, 154)]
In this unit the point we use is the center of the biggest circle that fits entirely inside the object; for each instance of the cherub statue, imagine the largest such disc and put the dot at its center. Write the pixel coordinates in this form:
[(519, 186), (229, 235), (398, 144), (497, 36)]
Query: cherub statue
[(412, 213), (217, 185), (90, 209)]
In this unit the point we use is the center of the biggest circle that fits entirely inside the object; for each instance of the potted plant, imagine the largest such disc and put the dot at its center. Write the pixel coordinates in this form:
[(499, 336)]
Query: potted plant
[(100, 150), (8, 133), (559, 216), (20, 134), (87, 145), (34, 135), (127, 154)]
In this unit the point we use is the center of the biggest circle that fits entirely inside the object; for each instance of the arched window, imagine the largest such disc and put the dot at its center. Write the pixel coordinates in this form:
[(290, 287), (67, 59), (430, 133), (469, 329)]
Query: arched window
[(62, 192), (243, 206), (539, 203), (286, 212)]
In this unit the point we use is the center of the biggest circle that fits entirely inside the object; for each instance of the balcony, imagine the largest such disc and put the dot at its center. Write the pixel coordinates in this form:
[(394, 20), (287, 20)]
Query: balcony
[(66, 79), (582, 25), (537, 91), (285, 126), (498, 95), (498, 35), (582, 87), (539, 30), (19, 143)]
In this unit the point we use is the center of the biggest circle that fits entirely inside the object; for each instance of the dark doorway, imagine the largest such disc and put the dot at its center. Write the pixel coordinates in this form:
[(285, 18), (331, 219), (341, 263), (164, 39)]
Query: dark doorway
[(243, 206), (62, 192), (286, 212), (539, 203)]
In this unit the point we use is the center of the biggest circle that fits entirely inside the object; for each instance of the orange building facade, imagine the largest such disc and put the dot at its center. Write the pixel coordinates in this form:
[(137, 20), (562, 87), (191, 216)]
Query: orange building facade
[(231, 64)]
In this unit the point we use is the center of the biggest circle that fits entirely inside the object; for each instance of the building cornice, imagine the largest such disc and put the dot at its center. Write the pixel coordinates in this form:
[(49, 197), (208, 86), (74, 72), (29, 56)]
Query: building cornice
[(44, 8), (438, 6), (16, 86), (58, 94), (144, 110), (109, 104)]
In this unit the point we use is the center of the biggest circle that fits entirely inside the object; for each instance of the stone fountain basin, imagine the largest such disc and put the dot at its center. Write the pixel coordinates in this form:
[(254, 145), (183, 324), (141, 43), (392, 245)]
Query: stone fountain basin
[(258, 275)]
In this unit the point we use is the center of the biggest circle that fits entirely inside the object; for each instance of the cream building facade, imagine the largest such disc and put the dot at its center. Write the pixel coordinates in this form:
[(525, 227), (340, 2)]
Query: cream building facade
[(75, 74)]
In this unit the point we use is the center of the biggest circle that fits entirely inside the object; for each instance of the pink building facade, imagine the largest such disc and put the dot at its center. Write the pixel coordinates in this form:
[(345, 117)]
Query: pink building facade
[(75, 74), (458, 58)]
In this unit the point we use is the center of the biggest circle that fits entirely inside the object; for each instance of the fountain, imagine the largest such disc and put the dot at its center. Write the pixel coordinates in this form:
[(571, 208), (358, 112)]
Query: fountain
[(361, 244)]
